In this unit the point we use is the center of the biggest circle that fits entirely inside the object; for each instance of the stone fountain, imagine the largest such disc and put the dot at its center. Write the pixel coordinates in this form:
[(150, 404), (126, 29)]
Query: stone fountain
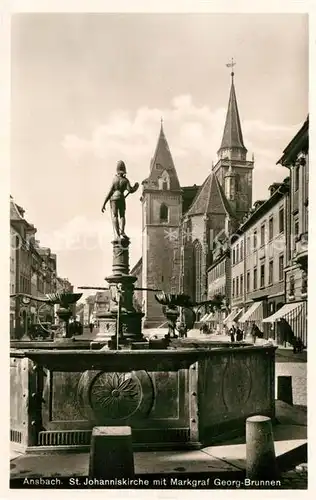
[(176, 397)]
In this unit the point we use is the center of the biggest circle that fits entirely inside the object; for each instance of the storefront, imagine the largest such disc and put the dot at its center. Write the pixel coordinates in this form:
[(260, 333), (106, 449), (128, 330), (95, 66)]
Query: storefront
[(295, 314)]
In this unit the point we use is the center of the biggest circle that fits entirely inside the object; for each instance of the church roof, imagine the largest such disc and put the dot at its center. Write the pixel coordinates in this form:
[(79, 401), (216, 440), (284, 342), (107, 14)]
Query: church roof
[(188, 195), (162, 160), (211, 199), (232, 136)]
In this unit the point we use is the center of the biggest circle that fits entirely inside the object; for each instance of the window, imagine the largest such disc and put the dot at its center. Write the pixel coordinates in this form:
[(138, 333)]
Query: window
[(197, 270), (248, 281), (281, 220), (262, 234), (304, 282), (262, 277), (248, 249), (296, 178), (234, 290), (255, 239), (281, 267), (237, 286), (164, 213), (241, 250), (255, 284), (296, 226), (241, 284), (271, 228), (164, 185), (292, 286), (237, 254), (234, 256), (270, 272)]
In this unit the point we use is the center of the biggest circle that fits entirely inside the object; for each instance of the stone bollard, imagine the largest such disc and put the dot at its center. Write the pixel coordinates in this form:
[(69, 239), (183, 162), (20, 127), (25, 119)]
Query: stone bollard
[(111, 453), (285, 392), (260, 453)]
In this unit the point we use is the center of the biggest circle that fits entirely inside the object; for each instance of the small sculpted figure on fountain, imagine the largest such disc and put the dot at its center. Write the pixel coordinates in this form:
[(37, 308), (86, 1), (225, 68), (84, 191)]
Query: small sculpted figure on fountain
[(117, 196)]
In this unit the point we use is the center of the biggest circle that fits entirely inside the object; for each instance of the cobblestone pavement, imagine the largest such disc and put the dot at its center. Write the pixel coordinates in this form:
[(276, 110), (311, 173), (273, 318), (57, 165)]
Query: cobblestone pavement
[(295, 479)]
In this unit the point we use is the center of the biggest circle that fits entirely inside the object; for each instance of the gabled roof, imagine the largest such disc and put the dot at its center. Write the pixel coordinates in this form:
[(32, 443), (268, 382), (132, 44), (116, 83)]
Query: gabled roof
[(232, 137), (188, 195), (162, 160), (298, 143), (211, 199)]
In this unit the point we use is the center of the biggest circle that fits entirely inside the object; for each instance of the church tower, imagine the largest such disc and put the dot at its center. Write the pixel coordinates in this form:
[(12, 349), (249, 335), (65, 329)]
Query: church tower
[(232, 169), (161, 215)]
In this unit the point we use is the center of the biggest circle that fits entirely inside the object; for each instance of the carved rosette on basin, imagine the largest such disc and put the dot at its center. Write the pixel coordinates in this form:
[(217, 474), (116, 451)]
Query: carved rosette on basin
[(117, 395), (237, 384), (105, 396)]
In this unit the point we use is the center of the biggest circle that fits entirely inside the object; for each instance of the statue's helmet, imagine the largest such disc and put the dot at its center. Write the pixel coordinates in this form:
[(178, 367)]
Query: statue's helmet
[(120, 167)]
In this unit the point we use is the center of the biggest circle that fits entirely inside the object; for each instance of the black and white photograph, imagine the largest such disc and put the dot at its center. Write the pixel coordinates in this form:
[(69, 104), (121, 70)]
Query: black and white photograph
[(158, 261)]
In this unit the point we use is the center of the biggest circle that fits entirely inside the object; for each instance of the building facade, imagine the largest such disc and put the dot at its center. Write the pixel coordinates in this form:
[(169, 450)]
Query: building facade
[(296, 159), (258, 259), (33, 272)]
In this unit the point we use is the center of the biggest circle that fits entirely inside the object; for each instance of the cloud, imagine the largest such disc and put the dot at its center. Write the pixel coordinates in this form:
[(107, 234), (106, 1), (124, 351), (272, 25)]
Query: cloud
[(194, 134)]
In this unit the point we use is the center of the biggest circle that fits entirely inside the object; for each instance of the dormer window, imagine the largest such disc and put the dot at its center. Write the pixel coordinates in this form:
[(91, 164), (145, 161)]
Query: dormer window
[(164, 181)]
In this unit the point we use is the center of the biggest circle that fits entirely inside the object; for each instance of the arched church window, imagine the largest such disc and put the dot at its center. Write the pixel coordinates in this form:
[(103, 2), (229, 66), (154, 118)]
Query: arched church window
[(164, 213), (197, 270)]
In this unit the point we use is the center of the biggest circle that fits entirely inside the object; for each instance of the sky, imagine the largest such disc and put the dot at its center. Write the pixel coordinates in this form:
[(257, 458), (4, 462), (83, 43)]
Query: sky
[(88, 90)]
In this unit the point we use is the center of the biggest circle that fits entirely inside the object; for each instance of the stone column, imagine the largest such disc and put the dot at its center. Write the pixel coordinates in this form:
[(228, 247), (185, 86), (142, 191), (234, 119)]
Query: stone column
[(122, 290)]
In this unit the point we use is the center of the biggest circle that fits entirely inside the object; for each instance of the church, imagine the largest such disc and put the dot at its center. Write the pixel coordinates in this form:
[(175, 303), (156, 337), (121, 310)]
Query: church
[(182, 224)]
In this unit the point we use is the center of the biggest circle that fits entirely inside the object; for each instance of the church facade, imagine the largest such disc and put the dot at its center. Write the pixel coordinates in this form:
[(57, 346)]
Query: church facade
[(185, 227)]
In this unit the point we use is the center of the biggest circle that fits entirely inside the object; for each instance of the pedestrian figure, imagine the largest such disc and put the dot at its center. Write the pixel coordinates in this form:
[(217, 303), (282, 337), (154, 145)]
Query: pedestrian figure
[(239, 335), (91, 326), (232, 332), (256, 333), (287, 335)]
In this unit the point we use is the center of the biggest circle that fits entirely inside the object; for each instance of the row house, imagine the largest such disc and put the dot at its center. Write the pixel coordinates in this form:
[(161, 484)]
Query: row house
[(259, 254), (296, 158), (269, 253), (33, 273), (219, 281)]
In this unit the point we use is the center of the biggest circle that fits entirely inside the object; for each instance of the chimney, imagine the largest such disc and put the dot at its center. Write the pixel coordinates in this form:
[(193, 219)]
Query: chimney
[(258, 204)]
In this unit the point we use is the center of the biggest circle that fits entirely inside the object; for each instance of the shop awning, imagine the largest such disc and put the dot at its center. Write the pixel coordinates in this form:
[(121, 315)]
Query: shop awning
[(254, 313), (288, 311), (209, 317), (204, 317), (232, 315)]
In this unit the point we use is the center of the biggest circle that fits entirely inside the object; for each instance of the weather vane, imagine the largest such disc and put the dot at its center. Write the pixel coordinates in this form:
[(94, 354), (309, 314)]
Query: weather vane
[(231, 65)]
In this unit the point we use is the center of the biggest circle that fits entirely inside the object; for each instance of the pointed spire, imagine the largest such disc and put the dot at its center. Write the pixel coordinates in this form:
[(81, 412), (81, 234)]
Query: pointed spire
[(232, 136), (162, 161)]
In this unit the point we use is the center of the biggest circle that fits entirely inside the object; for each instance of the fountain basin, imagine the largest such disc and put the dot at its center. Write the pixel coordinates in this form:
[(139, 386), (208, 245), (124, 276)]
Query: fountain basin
[(171, 398)]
